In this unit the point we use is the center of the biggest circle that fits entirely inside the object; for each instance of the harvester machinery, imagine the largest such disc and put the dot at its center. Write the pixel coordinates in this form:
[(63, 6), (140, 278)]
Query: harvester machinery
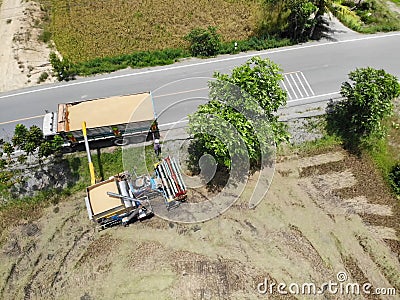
[(173, 187), (123, 199)]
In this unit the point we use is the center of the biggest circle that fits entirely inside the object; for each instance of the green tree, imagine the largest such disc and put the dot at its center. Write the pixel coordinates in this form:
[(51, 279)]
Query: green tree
[(259, 79), (35, 135), (51, 147), (298, 20), (204, 42), (56, 144), (30, 148), (27, 140), (242, 106), (45, 149), (301, 19), (63, 69), (367, 103), (20, 136), (8, 149)]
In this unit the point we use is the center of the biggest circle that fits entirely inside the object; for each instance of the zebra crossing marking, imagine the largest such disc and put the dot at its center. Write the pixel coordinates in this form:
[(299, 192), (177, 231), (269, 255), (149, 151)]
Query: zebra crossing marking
[(296, 85)]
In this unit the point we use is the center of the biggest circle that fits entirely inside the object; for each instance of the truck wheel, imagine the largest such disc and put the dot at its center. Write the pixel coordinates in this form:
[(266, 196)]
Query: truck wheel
[(121, 142), (67, 149)]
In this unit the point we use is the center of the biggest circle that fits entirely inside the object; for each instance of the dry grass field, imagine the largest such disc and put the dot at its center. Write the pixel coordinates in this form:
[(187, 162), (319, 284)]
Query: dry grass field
[(88, 29), (325, 213)]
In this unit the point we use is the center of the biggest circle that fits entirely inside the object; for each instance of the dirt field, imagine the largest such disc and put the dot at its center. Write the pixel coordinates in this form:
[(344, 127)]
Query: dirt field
[(324, 214), (22, 57)]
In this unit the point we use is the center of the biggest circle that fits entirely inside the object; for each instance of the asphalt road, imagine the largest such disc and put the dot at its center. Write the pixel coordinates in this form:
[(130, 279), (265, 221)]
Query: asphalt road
[(312, 71)]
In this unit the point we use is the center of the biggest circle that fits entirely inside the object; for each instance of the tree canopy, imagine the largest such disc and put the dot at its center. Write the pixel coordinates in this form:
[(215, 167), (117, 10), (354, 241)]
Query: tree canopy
[(239, 121), (295, 19), (32, 140), (204, 42), (367, 103), (27, 140)]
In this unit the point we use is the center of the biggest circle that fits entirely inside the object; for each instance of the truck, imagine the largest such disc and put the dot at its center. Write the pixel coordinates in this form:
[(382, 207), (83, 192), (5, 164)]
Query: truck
[(112, 118)]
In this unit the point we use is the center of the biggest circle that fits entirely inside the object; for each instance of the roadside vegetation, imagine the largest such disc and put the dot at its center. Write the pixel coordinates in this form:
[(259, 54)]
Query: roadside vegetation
[(119, 34), (368, 16), (366, 120), (248, 100), (114, 28), (366, 123)]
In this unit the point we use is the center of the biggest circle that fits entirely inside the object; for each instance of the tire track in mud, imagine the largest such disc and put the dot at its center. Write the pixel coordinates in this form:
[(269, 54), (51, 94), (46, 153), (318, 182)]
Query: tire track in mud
[(32, 276), (14, 270), (344, 187), (351, 264), (68, 254)]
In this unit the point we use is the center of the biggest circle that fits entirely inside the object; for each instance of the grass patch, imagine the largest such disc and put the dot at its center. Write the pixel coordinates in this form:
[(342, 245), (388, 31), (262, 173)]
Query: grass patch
[(45, 36), (385, 153), (254, 43), (135, 60), (135, 159), (44, 23), (325, 144), (17, 211), (162, 57), (28, 209)]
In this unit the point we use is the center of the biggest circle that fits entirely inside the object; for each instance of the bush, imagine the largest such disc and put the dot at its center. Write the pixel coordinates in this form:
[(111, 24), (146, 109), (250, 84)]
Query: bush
[(369, 16), (359, 117), (45, 36), (394, 178), (253, 43), (135, 60), (63, 69), (204, 42), (43, 76)]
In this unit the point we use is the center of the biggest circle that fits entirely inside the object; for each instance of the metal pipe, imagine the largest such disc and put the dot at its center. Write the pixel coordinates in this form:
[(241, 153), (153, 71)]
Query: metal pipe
[(179, 173), (170, 179), (115, 195), (123, 188), (167, 181), (164, 181), (174, 176)]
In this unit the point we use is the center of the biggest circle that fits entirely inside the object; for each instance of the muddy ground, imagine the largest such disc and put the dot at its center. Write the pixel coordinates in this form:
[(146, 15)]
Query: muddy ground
[(324, 214)]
